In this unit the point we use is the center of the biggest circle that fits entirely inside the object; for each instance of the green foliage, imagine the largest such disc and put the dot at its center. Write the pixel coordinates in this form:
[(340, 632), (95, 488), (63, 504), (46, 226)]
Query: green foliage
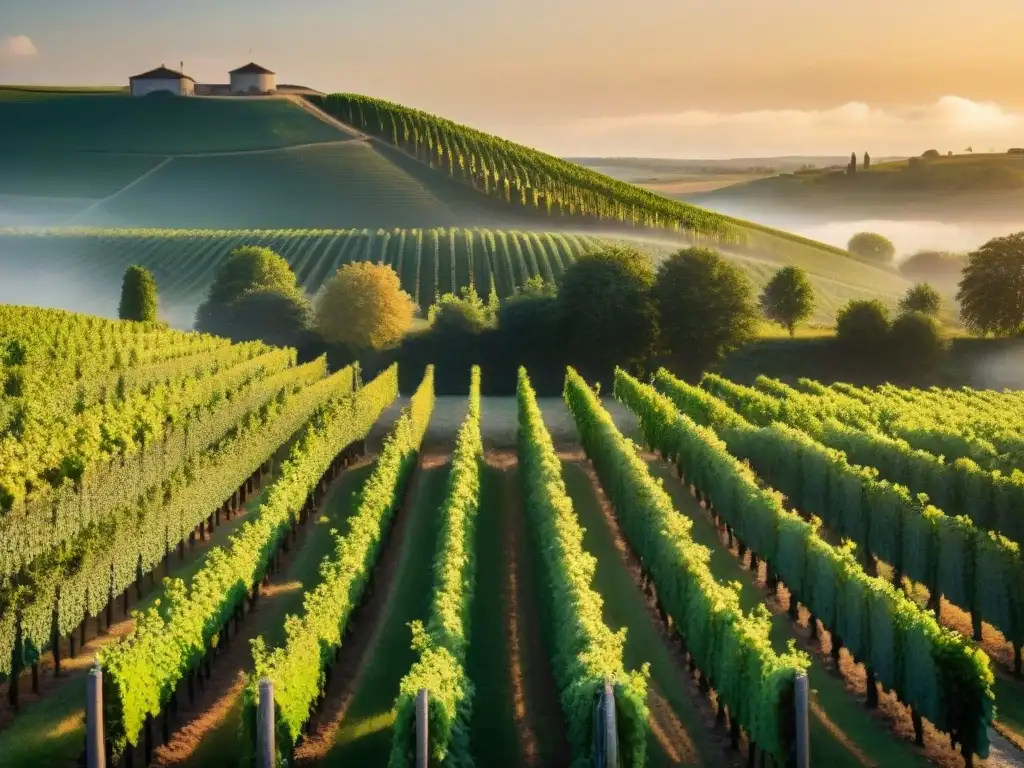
[(862, 326), (364, 307), (921, 298), (268, 315), (172, 637), (934, 670), (788, 298), (297, 668), (251, 268), (990, 297), (872, 246), (915, 338), (607, 310), (587, 653), (706, 306), (92, 559), (138, 295), (466, 313), (442, 645), (732, 649)]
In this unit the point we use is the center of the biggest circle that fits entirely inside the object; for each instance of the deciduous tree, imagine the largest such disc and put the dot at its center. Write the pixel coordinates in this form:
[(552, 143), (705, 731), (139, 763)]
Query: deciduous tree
[(607, 309), (788, 298), (862, 325), (991, 292), (921, 298), (706, 306), (364, 307)]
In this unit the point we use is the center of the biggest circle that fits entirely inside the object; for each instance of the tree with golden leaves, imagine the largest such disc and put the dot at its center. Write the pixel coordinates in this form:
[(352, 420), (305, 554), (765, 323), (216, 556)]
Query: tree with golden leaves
[(364, 307)]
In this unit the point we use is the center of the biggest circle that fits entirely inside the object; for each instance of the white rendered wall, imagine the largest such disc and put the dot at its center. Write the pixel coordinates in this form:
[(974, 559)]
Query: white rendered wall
[(246, 83)]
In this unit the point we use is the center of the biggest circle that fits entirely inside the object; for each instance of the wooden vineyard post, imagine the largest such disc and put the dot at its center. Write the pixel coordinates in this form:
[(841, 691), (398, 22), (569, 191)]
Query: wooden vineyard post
[(95, 754), (422, 735), (611, 731), (803, 733), (266, 756)]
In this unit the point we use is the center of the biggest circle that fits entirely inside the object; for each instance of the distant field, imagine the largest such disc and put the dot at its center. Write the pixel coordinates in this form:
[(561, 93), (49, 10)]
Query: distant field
[(82, 269)]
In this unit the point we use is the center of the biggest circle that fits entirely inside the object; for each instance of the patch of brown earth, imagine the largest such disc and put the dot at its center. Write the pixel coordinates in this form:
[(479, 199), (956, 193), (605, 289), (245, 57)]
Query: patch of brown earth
[(534, 690)]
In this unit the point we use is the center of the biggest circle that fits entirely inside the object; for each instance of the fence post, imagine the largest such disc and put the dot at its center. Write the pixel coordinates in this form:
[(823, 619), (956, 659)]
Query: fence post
[(803, 736), (422, 735), (611, 730), (266, 753), (95, 754)]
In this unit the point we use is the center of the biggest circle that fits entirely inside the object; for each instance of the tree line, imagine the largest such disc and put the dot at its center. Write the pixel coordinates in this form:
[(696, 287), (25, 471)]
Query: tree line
[(612, 307)]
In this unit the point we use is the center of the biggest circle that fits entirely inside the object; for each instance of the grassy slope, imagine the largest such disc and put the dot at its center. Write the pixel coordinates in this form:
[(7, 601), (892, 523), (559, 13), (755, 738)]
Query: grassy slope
[(157, 126), (364, 735)]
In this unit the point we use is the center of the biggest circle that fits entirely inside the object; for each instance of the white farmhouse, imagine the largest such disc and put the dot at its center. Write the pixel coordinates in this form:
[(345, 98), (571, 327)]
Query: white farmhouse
[(252, 78), (160, 80)]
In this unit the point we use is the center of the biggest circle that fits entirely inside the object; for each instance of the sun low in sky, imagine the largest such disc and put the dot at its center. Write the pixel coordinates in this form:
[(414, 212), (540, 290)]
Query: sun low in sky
[(670, 78)]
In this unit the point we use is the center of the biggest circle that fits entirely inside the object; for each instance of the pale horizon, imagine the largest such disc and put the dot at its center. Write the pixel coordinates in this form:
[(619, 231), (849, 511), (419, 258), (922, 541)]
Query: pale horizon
[(588, 78)]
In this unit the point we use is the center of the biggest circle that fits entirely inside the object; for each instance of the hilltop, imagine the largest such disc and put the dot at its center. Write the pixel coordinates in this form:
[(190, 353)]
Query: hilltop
[(976, 186)]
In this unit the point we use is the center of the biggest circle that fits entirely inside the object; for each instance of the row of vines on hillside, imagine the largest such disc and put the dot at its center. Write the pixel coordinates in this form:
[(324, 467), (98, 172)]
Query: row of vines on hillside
[(443, 642), (142, 673), (526, 177), (586, 653), (731, 649), (299, 668), (931, 669)]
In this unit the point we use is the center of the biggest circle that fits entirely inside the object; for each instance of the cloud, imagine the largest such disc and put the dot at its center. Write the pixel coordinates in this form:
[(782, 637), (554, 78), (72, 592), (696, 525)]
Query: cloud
[(950, 123), (17, 47)]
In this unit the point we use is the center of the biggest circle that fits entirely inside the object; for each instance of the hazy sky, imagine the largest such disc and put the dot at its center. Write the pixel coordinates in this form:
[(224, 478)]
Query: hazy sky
[(684, 78)]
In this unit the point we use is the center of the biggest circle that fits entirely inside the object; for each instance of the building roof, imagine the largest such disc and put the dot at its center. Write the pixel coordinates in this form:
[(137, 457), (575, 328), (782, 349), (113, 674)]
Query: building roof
[(252, 68), (162, 73)]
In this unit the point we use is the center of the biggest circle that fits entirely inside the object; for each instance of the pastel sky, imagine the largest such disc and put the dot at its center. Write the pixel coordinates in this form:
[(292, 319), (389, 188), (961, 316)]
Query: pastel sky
[(671, 78)]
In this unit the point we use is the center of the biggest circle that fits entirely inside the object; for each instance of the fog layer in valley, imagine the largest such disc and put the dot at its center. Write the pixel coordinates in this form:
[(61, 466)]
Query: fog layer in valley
[(909, 235)]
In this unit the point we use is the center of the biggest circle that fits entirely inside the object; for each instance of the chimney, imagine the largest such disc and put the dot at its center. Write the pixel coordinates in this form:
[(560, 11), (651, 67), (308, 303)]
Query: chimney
[(182, 70)]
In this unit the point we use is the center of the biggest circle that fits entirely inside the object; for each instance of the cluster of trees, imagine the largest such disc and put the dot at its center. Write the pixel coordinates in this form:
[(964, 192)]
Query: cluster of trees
[(612, 308), (863, 327)]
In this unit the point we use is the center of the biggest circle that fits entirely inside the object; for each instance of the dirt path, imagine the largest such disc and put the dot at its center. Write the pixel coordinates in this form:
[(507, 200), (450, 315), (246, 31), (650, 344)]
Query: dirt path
[(682, 721), (353, 726), (517, 720), (209, 730), (50, 729)]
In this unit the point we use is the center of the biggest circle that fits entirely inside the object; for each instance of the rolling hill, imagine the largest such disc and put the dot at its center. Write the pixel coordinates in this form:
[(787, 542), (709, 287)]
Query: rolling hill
[(199, 174), (977, 186)]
